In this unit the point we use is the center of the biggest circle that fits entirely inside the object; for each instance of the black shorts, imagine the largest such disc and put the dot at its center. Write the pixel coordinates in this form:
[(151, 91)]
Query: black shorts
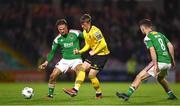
[(97, 61)]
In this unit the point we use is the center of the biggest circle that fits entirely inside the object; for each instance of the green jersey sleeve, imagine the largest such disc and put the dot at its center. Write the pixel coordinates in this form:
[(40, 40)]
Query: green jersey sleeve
[(53, 49), (52, 52), (81, 35), (148, 42)]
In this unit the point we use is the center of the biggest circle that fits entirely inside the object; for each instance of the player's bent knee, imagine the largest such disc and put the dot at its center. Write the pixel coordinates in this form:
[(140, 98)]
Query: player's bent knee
[(57, 70), (78, 67), (91, 76), (82, 69), (86, 65)]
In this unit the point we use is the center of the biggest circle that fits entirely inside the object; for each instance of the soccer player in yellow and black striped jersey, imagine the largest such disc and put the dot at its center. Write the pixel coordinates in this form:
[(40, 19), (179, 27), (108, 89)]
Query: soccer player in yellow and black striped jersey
[(98, 55)]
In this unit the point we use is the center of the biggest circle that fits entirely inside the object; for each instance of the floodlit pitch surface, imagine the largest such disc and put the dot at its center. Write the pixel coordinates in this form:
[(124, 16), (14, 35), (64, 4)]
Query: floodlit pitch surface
[(147, 94)]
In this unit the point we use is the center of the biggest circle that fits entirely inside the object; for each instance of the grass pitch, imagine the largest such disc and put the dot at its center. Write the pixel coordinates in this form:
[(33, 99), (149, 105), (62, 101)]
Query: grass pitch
[(147, 94)]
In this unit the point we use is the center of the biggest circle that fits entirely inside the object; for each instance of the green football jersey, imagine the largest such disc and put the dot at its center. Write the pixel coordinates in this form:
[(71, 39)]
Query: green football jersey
[(67, 43), (159, 42)]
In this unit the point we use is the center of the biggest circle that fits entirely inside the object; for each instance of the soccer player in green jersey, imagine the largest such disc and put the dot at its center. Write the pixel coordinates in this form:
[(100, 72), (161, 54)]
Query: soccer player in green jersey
[(162, 55), (67, 41)]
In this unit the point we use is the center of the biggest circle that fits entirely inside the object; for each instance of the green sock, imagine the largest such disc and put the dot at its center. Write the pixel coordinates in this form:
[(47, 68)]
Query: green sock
[(130, 91), (50, 91)]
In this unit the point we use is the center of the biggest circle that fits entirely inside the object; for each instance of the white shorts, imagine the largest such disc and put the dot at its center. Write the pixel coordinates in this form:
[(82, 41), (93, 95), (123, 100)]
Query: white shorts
[(163, 69), (65, 64)]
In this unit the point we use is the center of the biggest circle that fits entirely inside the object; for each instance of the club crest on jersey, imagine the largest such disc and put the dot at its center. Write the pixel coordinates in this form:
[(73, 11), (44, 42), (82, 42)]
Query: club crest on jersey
[(71, 36)]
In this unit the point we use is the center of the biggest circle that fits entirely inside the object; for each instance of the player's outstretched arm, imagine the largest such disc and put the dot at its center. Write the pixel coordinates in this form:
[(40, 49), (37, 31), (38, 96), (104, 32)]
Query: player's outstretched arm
[(49, 57), (171, 51), (100, 46), (84, 49)]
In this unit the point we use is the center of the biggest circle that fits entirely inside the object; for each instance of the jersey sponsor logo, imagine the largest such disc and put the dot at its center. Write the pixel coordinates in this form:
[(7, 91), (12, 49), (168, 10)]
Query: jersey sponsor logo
[(67, 45), (165, 53), (157, 36)]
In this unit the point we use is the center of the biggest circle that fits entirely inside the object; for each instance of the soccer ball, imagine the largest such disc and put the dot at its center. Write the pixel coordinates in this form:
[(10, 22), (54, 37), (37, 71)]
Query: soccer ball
[(27, 92)]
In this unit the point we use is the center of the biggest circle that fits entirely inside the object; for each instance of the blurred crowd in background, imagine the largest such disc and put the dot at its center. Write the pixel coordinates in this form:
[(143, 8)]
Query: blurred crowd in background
[(28, 26)]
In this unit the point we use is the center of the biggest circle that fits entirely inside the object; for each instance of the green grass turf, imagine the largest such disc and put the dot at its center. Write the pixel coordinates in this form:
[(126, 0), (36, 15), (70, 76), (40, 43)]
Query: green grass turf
[(147, 94)]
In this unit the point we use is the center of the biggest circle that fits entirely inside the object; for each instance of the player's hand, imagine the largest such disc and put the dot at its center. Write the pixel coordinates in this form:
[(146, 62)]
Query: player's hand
[(91, 53), (173, 64), (75, 51), (43, 66)]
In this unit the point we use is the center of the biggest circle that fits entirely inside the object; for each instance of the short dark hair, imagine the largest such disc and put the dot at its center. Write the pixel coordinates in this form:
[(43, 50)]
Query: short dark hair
[(85, 18), (146, 23), (61, 22)]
